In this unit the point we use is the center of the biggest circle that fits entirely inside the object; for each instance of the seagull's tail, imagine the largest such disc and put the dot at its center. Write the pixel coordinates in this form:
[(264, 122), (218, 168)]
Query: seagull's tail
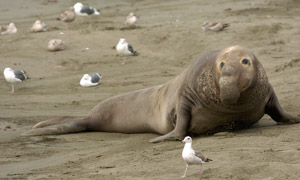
[(62, 125), (225, 26), (58, 19), (99, 75), (97, 12), (26, 77), (207, 160), (135, 53)]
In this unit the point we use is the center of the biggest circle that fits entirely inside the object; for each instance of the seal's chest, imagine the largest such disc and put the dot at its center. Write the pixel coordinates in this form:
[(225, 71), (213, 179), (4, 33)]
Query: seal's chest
[(205, 121)]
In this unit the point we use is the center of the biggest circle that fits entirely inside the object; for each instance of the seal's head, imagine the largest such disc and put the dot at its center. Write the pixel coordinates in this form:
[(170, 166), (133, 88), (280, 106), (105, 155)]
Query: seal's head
[(236, 72)]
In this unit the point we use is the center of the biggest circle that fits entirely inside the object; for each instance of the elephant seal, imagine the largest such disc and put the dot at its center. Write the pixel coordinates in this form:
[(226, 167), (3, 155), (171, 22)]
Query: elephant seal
[(221, 90)]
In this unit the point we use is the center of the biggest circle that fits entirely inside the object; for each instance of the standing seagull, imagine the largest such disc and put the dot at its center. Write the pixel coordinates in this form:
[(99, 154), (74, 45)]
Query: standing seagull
[(13, 76), (131, 19), (90, 80), (191, 156), (123, 47), (83, 10), (213, 26)]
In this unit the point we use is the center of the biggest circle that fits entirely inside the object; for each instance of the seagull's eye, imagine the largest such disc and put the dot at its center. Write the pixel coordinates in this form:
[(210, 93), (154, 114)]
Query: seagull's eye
[(222, 64), (245, 61)]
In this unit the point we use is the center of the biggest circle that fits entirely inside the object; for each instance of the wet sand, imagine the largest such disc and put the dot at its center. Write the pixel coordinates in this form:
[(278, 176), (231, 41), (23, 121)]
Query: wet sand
[(168, 37)]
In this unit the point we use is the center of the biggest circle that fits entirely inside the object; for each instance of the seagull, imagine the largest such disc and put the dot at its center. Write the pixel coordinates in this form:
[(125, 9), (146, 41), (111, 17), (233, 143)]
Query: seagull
[(213, 26), (56, 45), (191, 156), (67, 16), (90, 80), (14, 76), (10, 29), (83, 10), (123, 47), (38, 26), (131, 19)]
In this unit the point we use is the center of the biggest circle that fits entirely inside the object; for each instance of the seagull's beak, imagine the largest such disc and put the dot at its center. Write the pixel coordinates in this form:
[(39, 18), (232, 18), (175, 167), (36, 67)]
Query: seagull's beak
[(183, 141)]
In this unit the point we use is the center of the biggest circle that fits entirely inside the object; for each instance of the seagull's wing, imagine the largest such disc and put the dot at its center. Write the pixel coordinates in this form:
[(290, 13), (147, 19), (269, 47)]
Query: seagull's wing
[(63, 16), (200, 155), (88, 10), (130, 48), (95, 78), (20, 75), (3, 28), (212, 24), (219, 27)]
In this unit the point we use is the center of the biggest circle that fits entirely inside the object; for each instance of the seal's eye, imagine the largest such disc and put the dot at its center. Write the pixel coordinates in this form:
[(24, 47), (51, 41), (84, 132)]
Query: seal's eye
[(222, 64), (245, 61)]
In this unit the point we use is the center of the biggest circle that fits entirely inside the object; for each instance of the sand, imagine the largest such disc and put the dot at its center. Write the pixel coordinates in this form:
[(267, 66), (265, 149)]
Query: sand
[(168, 37)]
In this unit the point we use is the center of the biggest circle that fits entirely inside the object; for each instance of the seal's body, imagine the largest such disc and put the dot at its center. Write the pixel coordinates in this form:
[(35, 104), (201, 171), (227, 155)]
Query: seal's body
[(221, 90)]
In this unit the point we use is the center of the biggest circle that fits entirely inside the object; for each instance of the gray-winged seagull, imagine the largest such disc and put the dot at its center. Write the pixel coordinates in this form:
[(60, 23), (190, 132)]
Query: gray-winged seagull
[(14, 76), (90, 80), (123, 47), (83, 10), (192, 157)]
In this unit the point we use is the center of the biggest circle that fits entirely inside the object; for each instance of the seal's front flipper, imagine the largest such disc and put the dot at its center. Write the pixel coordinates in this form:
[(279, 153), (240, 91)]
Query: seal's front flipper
[(181, 125), (274, 109), (171, 136)]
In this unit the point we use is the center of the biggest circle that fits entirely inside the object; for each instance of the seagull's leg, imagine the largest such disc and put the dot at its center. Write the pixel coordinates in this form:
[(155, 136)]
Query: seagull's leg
[(184, 175), (124, 60), (12, 88), (81, 20), (200, 171)]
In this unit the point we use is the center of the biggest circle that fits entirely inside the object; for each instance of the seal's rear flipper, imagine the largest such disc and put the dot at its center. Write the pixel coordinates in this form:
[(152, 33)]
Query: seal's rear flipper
[(58, 126)]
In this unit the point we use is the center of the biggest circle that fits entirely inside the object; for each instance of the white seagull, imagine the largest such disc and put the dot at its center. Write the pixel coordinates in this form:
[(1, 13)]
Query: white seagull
[(38, 26), (14, 76), (131, 19), (191, 156), (10, 29), (90, 80), (123, 47), (83, 10)]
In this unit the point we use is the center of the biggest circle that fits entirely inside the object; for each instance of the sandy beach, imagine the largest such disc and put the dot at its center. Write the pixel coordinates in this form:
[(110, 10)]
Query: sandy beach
[(168, 37)]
